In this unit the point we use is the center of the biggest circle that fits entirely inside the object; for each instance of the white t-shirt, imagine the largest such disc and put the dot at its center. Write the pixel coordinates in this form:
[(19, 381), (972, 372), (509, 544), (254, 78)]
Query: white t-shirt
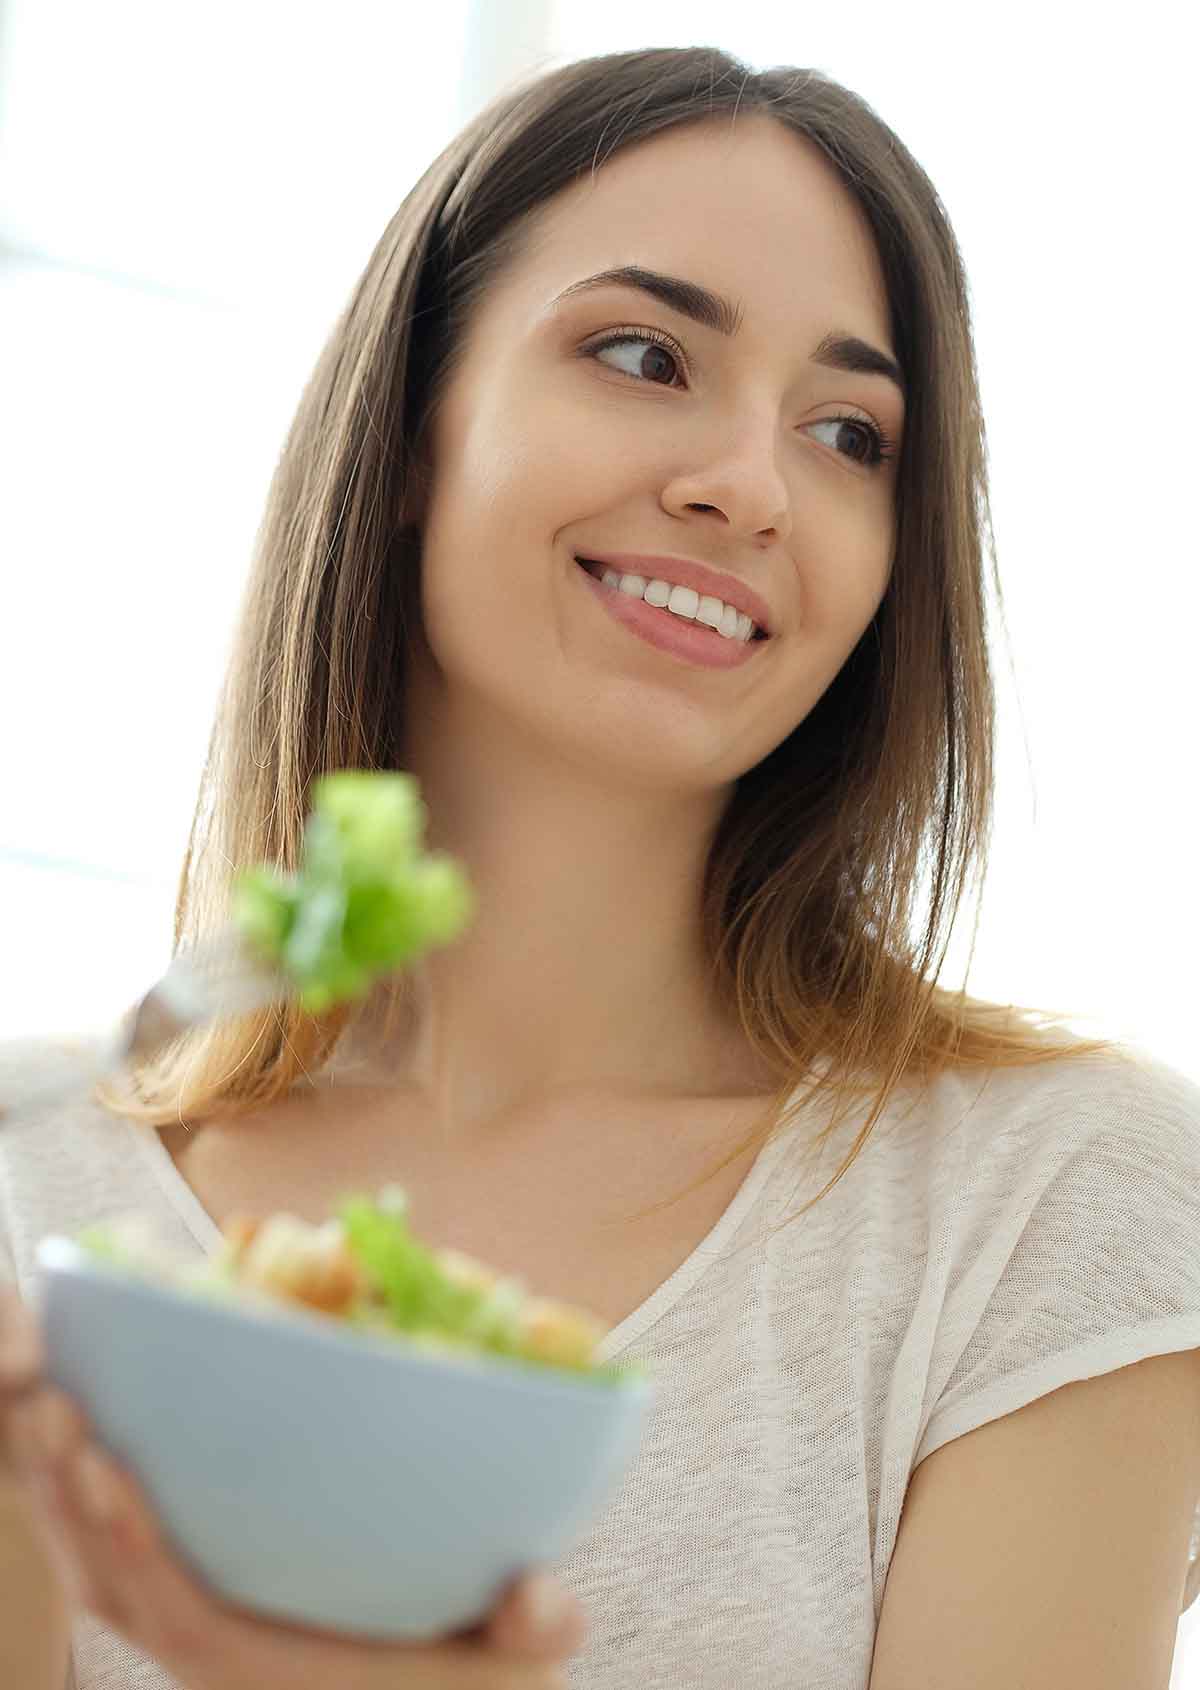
[(983, 1250)]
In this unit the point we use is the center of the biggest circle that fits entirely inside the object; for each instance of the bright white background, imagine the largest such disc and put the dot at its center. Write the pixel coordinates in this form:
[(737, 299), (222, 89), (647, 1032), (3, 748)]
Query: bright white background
[(187, 195)]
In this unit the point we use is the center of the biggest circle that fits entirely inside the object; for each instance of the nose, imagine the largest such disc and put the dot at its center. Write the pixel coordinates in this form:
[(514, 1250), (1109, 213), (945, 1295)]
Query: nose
[(743, 484)]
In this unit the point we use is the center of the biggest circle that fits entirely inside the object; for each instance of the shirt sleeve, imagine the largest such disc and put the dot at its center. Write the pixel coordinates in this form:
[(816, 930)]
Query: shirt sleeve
[(1075, 1243), (28, 1066)]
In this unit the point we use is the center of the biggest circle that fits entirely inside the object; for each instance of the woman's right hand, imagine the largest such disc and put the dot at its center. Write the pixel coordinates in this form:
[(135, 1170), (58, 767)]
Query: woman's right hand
[(124, 1573)]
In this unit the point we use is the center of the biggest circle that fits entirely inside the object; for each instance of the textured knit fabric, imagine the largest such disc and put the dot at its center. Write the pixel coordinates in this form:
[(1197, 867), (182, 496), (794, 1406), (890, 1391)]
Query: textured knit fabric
[(998, 1237)]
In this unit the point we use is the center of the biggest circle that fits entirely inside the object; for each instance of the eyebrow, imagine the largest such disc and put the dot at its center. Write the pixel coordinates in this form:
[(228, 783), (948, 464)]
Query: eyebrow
[(837, 351)]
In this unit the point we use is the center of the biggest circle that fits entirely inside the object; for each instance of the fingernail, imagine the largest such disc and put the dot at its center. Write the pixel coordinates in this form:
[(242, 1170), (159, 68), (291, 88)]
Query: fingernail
[(549, 1603)]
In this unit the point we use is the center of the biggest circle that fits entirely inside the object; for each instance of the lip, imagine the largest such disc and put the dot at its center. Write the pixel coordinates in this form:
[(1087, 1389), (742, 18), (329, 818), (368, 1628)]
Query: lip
[(686, 572), (674, 635)]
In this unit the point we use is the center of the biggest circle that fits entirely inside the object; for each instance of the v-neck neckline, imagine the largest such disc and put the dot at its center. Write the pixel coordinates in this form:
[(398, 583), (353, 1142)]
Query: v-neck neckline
[(209, 1236)]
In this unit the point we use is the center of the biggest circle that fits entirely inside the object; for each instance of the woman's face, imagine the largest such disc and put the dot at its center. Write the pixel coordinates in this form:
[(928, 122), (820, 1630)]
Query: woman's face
[(737, 451)]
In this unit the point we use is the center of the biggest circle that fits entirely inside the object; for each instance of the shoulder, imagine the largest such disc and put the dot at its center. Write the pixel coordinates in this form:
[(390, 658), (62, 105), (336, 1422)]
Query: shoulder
[(42, 1066), (1126, 1077), (946, 1154), (1050, 1547), (1047, 1521), (1126, 1101), (1045, 1531)]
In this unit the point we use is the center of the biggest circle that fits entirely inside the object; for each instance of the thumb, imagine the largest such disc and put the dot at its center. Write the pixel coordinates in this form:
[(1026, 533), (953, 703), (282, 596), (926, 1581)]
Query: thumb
[(538, 1619)]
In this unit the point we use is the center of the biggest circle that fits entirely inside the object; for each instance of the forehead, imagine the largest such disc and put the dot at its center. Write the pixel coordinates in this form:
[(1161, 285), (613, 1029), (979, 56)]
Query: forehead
[(753, 210)]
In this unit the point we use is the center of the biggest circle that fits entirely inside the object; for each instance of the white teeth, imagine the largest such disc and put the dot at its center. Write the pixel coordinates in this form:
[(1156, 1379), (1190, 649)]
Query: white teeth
[(722, 618)]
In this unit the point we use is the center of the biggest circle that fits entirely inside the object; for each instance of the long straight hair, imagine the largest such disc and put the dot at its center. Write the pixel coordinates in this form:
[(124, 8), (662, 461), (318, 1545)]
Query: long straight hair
[(810, 892)]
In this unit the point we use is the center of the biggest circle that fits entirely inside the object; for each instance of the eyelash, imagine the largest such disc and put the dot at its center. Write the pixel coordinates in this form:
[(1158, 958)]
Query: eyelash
[(883, 447)]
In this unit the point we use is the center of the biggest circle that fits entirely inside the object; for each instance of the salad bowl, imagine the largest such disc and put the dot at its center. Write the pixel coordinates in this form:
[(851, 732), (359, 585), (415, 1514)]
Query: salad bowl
[(380, 1484)]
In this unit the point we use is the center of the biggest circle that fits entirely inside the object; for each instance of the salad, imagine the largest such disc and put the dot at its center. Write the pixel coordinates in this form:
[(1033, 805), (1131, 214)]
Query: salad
[(367, 899), (364, 1269)]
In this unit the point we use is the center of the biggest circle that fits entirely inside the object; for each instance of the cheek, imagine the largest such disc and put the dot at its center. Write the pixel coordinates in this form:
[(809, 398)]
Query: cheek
[(844, 589), (548, 459), (513, 440), (480, 626), (495, 524)]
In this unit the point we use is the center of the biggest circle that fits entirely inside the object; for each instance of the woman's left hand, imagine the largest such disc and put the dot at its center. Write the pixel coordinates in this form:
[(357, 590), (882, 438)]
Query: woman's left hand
[(103, 1541)]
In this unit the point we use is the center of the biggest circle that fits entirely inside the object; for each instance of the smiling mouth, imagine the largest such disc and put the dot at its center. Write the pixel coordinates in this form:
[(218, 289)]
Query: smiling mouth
[(596, 571)]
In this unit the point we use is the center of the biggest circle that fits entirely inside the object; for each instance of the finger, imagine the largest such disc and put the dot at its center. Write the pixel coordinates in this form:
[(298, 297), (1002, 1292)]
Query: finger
[(118, 1564), (538, 1620), (253, 1652), (21, 1357), (113, 1559), (270, 1651), (105, 1544), (46, 1429), (99, 1534), (132, 1580)]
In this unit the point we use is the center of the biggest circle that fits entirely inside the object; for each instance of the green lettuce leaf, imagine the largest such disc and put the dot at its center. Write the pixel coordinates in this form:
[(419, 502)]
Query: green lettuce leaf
[(366, 900)]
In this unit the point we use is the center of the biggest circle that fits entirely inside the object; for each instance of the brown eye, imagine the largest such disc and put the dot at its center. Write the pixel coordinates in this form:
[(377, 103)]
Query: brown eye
[(650, 362), (878, 446)]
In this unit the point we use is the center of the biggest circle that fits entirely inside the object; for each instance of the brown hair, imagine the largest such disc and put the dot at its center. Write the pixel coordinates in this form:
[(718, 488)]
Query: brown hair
[(808, 895)]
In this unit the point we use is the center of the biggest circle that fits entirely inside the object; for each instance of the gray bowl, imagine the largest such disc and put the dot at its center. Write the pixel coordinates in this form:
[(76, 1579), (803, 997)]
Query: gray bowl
[(328, 1477)]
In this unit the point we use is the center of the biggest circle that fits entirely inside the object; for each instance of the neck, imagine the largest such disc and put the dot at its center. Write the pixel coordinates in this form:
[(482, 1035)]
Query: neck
[(582, 973)]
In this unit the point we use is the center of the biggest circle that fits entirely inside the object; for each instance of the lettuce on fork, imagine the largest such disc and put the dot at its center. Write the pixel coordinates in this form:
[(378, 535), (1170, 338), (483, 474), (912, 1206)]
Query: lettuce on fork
[(365, 1269), (366, 900)]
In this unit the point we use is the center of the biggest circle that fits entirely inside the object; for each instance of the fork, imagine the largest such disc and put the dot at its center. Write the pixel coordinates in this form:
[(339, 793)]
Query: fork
[(215, 979)]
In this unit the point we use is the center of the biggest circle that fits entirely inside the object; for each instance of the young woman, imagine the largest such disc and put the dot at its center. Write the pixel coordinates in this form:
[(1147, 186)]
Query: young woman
[(636, 505)]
